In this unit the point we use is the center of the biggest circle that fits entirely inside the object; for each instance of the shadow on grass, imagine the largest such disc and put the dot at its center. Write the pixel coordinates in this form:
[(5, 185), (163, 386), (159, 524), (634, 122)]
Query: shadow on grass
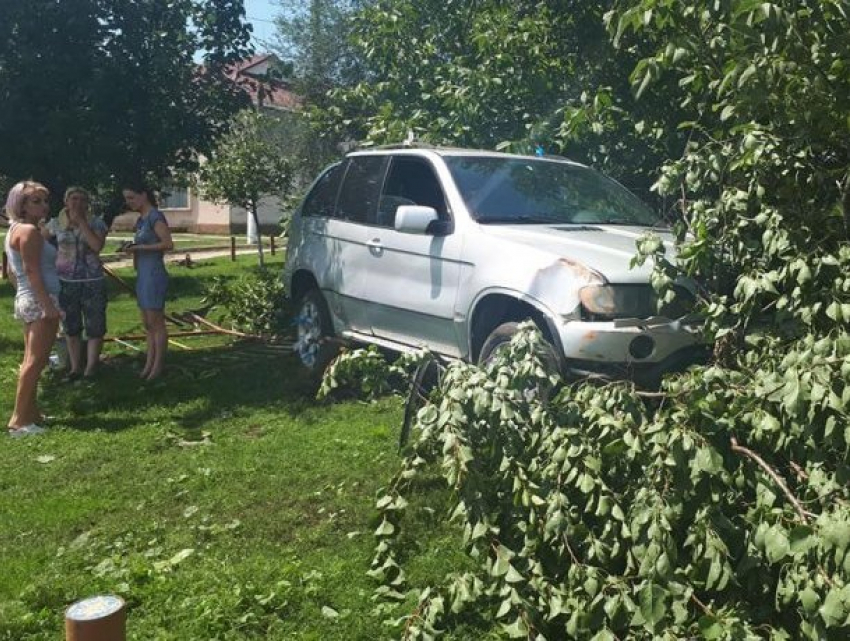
[(198, 387)]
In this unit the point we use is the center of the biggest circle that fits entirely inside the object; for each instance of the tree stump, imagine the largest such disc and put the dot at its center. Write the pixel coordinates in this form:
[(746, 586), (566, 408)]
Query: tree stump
[(99, 618)]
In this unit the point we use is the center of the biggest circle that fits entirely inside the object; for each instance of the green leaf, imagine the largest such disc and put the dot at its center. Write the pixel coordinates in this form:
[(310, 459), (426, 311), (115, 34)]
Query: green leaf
[(809, 599), (711, 628), (833, 611), (512, 576), (745, 75), (653, 602), (385, 529), (516, 630), (776, 544)]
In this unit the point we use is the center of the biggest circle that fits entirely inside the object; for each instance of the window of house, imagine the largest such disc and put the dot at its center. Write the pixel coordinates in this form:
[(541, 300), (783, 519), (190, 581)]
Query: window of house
[(411, 181), (174, 197), (358, 198), (322, 198)]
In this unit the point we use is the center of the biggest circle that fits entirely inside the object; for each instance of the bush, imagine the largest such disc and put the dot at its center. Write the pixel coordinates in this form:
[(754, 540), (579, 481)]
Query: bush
[(254, 303)]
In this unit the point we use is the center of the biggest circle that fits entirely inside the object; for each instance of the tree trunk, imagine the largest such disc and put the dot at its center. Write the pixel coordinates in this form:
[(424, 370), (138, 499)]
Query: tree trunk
[(253, 214)]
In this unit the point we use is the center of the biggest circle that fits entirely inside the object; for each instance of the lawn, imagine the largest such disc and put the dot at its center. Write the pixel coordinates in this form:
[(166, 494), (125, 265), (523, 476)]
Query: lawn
[(222, 502)]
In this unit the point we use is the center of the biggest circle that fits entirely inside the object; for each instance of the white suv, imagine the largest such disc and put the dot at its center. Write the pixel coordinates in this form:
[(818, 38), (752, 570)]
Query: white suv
[(449, 249)]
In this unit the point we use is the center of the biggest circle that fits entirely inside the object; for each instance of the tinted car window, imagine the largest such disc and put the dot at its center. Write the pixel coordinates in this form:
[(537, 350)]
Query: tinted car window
[(522, 190), (322, 198), (411, 181), (358, 199)]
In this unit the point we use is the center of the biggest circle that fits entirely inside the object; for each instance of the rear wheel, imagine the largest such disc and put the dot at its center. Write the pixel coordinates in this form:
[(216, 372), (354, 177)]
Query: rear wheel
[(426, 377), (314, 344)]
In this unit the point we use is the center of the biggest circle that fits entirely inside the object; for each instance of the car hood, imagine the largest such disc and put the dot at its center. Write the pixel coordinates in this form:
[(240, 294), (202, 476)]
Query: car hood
[(607, 249)]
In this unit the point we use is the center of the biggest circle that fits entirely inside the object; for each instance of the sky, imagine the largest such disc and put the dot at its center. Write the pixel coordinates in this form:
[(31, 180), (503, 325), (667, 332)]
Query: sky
[(260, 14)]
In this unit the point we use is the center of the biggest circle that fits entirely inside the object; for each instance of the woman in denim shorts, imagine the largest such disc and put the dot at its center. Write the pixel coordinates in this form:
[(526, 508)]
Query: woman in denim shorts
[(32, 263), (82, 297)]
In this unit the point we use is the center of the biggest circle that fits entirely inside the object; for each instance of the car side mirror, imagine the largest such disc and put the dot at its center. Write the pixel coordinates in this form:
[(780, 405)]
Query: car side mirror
[(415, 219)]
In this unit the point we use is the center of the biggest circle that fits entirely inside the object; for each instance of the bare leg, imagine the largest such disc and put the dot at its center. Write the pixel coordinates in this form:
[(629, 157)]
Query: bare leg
[(151, 346), (75, 346), (93, 348), (39, 338), (159, 332)]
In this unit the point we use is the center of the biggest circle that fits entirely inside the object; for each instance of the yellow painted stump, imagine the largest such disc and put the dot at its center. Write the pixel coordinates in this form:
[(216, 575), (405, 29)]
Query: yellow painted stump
[(100, 618)]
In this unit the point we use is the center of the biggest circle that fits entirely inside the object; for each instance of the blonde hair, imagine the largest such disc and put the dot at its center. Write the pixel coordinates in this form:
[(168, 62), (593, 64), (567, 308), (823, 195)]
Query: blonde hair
[(76, 189), (18, 196)]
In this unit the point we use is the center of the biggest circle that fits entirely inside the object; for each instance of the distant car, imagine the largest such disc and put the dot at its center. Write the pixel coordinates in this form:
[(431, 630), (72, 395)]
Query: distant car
[(449, 249)]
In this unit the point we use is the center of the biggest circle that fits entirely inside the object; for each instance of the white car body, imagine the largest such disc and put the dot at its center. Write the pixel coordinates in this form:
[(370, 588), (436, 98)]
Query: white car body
[(401, 282)]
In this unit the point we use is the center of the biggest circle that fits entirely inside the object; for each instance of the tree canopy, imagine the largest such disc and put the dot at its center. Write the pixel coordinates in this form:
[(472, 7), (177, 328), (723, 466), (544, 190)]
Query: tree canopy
[(249, 163), (314, 37), (96, 91), (509, 75)]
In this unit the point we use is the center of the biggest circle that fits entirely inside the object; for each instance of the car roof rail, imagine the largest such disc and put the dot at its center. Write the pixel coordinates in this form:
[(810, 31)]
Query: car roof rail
[(414, 144)]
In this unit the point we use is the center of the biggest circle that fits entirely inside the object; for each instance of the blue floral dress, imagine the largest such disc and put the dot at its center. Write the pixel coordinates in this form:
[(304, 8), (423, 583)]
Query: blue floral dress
[(151, 277)]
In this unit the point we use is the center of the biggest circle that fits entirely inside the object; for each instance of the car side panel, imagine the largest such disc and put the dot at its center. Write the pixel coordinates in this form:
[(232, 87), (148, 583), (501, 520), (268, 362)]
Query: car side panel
[(412, 281)]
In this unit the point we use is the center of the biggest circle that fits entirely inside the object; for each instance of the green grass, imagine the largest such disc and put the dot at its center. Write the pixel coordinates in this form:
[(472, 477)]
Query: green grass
[(222, 502)]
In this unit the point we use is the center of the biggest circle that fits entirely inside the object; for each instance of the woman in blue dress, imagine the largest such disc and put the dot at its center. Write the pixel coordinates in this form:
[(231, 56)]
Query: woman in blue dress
[(151, 241)]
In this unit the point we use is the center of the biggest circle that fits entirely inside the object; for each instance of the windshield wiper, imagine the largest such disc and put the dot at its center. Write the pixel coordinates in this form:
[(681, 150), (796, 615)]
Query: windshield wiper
[(629, 223)]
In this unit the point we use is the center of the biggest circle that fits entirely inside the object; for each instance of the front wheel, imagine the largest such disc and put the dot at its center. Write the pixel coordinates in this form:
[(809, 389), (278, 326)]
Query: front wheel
[(499, 340), (314, 344)]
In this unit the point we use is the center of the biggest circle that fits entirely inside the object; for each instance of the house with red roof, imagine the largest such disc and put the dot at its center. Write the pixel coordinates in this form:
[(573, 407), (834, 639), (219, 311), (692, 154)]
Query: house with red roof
[(185, 209)]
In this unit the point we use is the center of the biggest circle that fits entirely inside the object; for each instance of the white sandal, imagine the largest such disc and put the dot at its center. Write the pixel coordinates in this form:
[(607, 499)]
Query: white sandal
[(26, 430)]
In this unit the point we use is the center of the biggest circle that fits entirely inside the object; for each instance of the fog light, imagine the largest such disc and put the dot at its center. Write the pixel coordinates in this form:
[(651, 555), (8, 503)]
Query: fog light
[(641, 347)]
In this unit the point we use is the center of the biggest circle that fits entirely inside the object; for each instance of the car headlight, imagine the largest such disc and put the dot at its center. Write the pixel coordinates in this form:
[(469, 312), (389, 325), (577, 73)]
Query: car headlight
[(607, 302)]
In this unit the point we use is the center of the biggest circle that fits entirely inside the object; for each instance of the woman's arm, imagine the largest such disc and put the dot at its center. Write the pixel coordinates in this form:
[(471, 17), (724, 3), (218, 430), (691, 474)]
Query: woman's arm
[(29, 243), (94, 239), (163, 234)]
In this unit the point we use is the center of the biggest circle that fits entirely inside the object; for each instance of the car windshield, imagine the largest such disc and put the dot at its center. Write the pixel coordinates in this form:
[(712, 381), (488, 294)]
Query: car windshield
[(534, 191)]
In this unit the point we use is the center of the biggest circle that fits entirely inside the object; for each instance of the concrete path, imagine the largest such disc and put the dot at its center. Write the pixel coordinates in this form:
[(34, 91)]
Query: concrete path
[(197, 255)]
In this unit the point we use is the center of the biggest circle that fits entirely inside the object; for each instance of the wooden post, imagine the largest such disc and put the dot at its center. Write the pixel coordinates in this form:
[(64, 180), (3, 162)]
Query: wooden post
[(100, 618), (271, 238), (4, 273), (233, 248)]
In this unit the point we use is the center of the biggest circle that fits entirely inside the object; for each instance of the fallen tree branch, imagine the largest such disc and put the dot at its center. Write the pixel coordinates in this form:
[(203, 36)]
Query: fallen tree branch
[(804, 515), (203, 321), (141, 337)]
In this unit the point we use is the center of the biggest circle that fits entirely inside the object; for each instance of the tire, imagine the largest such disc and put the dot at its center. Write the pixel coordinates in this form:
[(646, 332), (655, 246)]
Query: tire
[(314, 344), (426, 377), (500, 338)]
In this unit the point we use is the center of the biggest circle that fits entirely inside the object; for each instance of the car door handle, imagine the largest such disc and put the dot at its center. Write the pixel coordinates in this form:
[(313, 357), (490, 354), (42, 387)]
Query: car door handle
[(375, 247)]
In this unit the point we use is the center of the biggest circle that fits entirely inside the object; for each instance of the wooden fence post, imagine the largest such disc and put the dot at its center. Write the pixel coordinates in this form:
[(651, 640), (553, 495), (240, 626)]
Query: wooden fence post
[(4, 272), (233, 248), (271, 238)]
